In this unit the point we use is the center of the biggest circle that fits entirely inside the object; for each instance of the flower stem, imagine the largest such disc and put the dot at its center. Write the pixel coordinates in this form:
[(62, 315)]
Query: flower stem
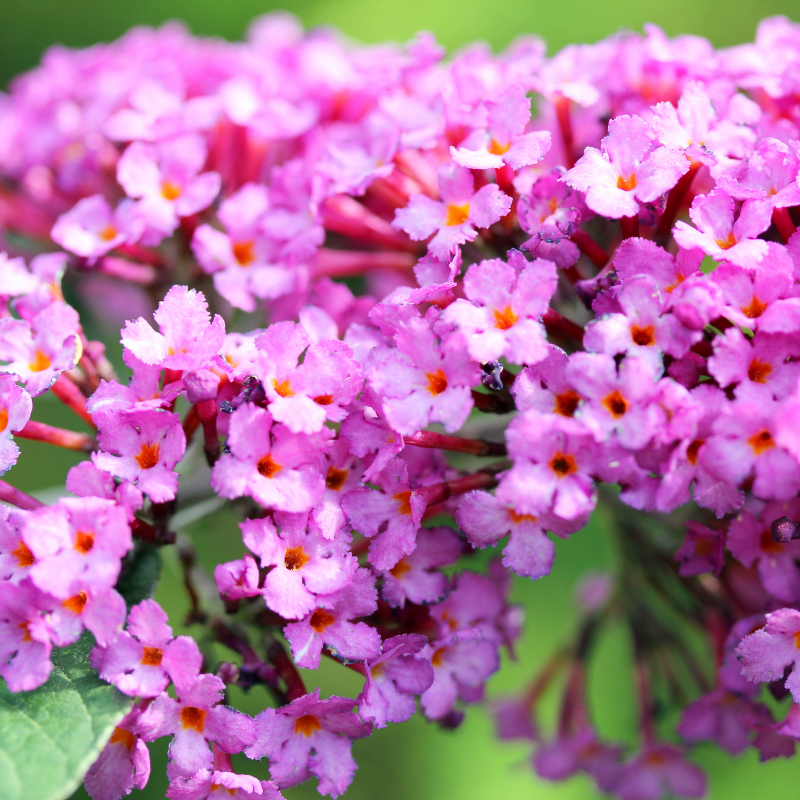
[(72, 397), (8, 494), (783, 222), (456, 444), (70, 440)]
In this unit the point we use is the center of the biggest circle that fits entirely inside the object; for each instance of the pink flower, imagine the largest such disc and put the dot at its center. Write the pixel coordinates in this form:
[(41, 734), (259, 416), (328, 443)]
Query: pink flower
[(330, 625), (503, 142), (393, 679), (305, 564), (143, 447), (310, 736), (455, 219), (77, 545), (187, 338), (91, 229), (765, 654), (721, 236), (269, 463), (123, 764), (195, 718), (659, 771), (165, 180), (220, 785), (144, 659), (417, 578), (15, 411), (702, 551), (581, 751), (628, 169), (504, 304)]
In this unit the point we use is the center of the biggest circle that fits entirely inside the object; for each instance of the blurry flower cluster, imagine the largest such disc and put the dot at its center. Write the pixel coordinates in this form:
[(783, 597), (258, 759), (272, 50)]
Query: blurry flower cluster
[(409, 308)]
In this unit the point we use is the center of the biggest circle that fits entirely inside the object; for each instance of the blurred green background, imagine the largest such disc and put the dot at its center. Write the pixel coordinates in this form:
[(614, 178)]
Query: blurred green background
[(417, 760)]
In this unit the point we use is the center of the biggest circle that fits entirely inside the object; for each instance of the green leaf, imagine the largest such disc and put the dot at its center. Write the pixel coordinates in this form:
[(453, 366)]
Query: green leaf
[(141, 570), (49, 737)]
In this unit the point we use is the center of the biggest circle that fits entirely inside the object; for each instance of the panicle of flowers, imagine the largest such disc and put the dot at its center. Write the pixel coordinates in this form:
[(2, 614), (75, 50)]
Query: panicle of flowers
[(576, 285)]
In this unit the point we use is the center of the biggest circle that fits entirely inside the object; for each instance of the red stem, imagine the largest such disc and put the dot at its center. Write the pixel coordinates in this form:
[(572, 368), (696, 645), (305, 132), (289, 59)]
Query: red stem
[(207, 411), (555, 323), (286, 670), (590, 248), (675, 199), (565, 125), (783, 222), (629, 227), (72, 397), (345, 263), (40, 432), (436, 494), (455, 444), (8, 494), (143, 274)]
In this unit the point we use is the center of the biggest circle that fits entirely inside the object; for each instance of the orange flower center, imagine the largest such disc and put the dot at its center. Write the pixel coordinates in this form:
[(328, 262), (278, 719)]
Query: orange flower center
[(692, 450), (84, 542), (324, 399), (307, 724), (151, 657), (123, 737), (194, 718), (400, 568), (563, 464), (517, 518), (23, 555), (243, 253), (295, 558), (170, 190), (404, 499), (40, 362), (76, 603), (108, 233), (759, 371), (437, 659), (761, 442), (566, 403), (497, 149), (437, 382), (768, 544), (148, 456), (626, 184), (283, 388), (797, 640), (335, 478), (644, 337), (457, 215), (504, 319), (728, 242), (704, 546), (755, 309), (616, 404), (321, 619), (268, 466)]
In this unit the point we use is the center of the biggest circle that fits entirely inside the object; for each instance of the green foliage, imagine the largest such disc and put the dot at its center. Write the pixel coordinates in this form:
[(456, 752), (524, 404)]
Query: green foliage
[(140, 573), (49, 737)]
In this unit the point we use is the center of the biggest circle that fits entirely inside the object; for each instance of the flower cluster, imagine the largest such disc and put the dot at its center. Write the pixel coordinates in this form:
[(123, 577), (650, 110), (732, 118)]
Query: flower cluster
[(595, 303)]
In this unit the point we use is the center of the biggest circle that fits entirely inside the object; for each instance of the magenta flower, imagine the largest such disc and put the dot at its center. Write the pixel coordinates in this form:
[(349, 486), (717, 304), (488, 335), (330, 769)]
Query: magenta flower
[(750, 541), (15, 411), (393, 515), (39, 350), (187, 338), (416, 578), (269, 463), (721, 236), (305, 563), (304, 396), (237, 579), (25, 636), (310, 736), (123, 764), (500, 316), (143, 447), (16, 558), (455, 219), (330, 625), (194, 719), (641, 329), (703, 550), (91, 228), (758, 368), (101, 611), (77, 544), (393, 679), (503, 141), (743, 443), (580, 751), (628, 169), (241, 259), (769, 175), (219, 785), (164, 179), (659, 771), (636, 256), (144, 659)]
